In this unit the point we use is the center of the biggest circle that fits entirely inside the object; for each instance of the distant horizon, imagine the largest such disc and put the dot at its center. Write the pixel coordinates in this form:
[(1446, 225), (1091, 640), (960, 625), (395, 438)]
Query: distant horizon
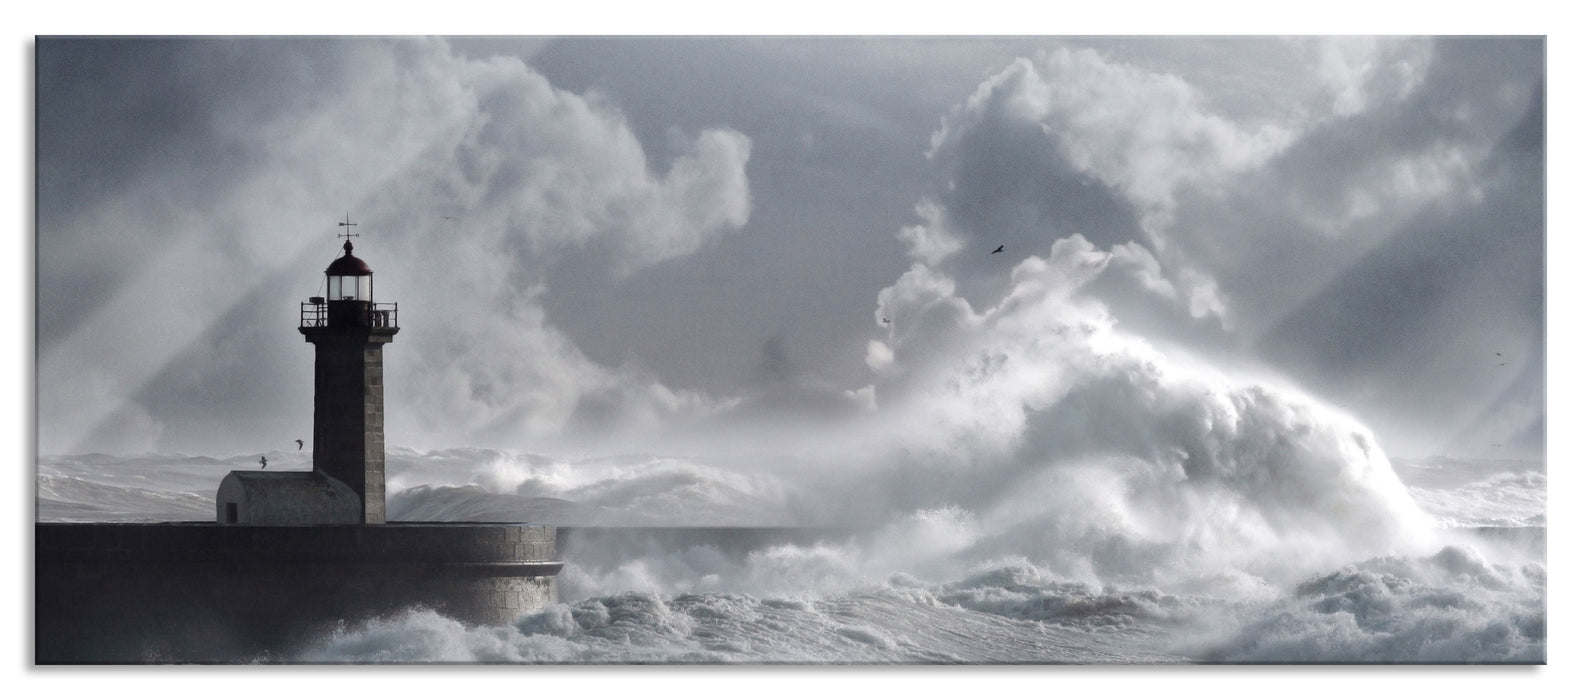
[(245, 456)]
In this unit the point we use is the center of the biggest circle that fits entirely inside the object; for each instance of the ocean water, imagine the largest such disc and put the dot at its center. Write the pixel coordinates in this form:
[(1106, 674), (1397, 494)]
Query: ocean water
[(1101, 560)]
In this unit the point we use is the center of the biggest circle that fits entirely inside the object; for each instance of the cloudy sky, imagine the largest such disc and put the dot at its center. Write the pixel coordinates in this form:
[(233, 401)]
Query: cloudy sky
[(660, 244)]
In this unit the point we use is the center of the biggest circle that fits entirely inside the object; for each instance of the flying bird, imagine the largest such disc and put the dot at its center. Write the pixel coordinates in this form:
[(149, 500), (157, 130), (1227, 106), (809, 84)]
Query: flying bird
[(299, 443), (263, 462), (887, 320), (996, 250)]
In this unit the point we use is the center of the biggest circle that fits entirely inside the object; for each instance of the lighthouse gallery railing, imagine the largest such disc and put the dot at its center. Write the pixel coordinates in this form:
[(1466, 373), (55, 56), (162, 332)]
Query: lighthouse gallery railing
[(317, 314)]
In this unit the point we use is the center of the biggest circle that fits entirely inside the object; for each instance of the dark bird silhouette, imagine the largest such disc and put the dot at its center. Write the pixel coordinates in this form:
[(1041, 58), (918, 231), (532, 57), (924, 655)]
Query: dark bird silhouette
[(299, 443), (448, 218), (996, 250), (263, 462), (1502, 364), (887, 320)]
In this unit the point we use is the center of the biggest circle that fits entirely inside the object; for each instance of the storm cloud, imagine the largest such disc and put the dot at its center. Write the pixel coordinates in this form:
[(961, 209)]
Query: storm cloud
[(639, 244), (476, 176)]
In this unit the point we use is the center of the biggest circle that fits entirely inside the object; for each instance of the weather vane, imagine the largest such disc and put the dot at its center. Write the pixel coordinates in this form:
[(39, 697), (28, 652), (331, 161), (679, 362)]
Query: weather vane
[(347, 224)]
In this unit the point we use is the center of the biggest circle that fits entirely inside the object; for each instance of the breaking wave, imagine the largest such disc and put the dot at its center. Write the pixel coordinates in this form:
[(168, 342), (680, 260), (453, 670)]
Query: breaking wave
[(1450, 607), (951, 584)]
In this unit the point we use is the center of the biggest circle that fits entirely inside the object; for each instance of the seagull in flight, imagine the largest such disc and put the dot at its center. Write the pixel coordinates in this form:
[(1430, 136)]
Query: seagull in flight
[(996, 250), (263, 462), (299, 443)]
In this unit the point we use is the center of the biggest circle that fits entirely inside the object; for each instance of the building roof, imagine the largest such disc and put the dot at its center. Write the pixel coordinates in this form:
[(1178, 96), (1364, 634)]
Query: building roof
[(259, 475), (348, 264)]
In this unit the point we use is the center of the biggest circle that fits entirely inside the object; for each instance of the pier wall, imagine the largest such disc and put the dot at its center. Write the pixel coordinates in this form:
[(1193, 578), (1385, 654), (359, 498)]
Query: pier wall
[(209, 593)]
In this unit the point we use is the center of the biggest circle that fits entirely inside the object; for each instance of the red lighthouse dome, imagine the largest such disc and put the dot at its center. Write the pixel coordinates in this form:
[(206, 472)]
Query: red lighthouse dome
[(349, 278)]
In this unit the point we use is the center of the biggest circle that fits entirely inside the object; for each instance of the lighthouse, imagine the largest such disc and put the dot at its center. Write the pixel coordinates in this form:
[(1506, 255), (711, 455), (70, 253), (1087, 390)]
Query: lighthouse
[(349, 330)]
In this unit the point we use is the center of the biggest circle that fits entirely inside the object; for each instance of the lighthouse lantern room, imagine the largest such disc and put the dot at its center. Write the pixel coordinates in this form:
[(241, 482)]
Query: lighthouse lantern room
[(349, 278)]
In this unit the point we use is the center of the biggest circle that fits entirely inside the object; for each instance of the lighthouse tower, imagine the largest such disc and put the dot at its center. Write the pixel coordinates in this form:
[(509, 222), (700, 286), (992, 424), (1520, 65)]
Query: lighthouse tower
[(348, 331)]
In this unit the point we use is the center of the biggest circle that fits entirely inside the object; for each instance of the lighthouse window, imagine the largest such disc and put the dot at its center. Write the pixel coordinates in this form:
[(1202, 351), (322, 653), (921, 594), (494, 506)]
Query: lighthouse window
[(350, 287)]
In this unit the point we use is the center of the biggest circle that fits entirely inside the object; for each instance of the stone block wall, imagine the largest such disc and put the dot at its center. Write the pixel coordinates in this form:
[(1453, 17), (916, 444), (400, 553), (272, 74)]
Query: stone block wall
[(348, 411), (207, 593)]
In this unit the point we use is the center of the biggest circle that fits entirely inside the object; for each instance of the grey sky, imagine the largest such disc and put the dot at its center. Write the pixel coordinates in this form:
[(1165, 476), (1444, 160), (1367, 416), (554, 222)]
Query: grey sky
[(628, 243)]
